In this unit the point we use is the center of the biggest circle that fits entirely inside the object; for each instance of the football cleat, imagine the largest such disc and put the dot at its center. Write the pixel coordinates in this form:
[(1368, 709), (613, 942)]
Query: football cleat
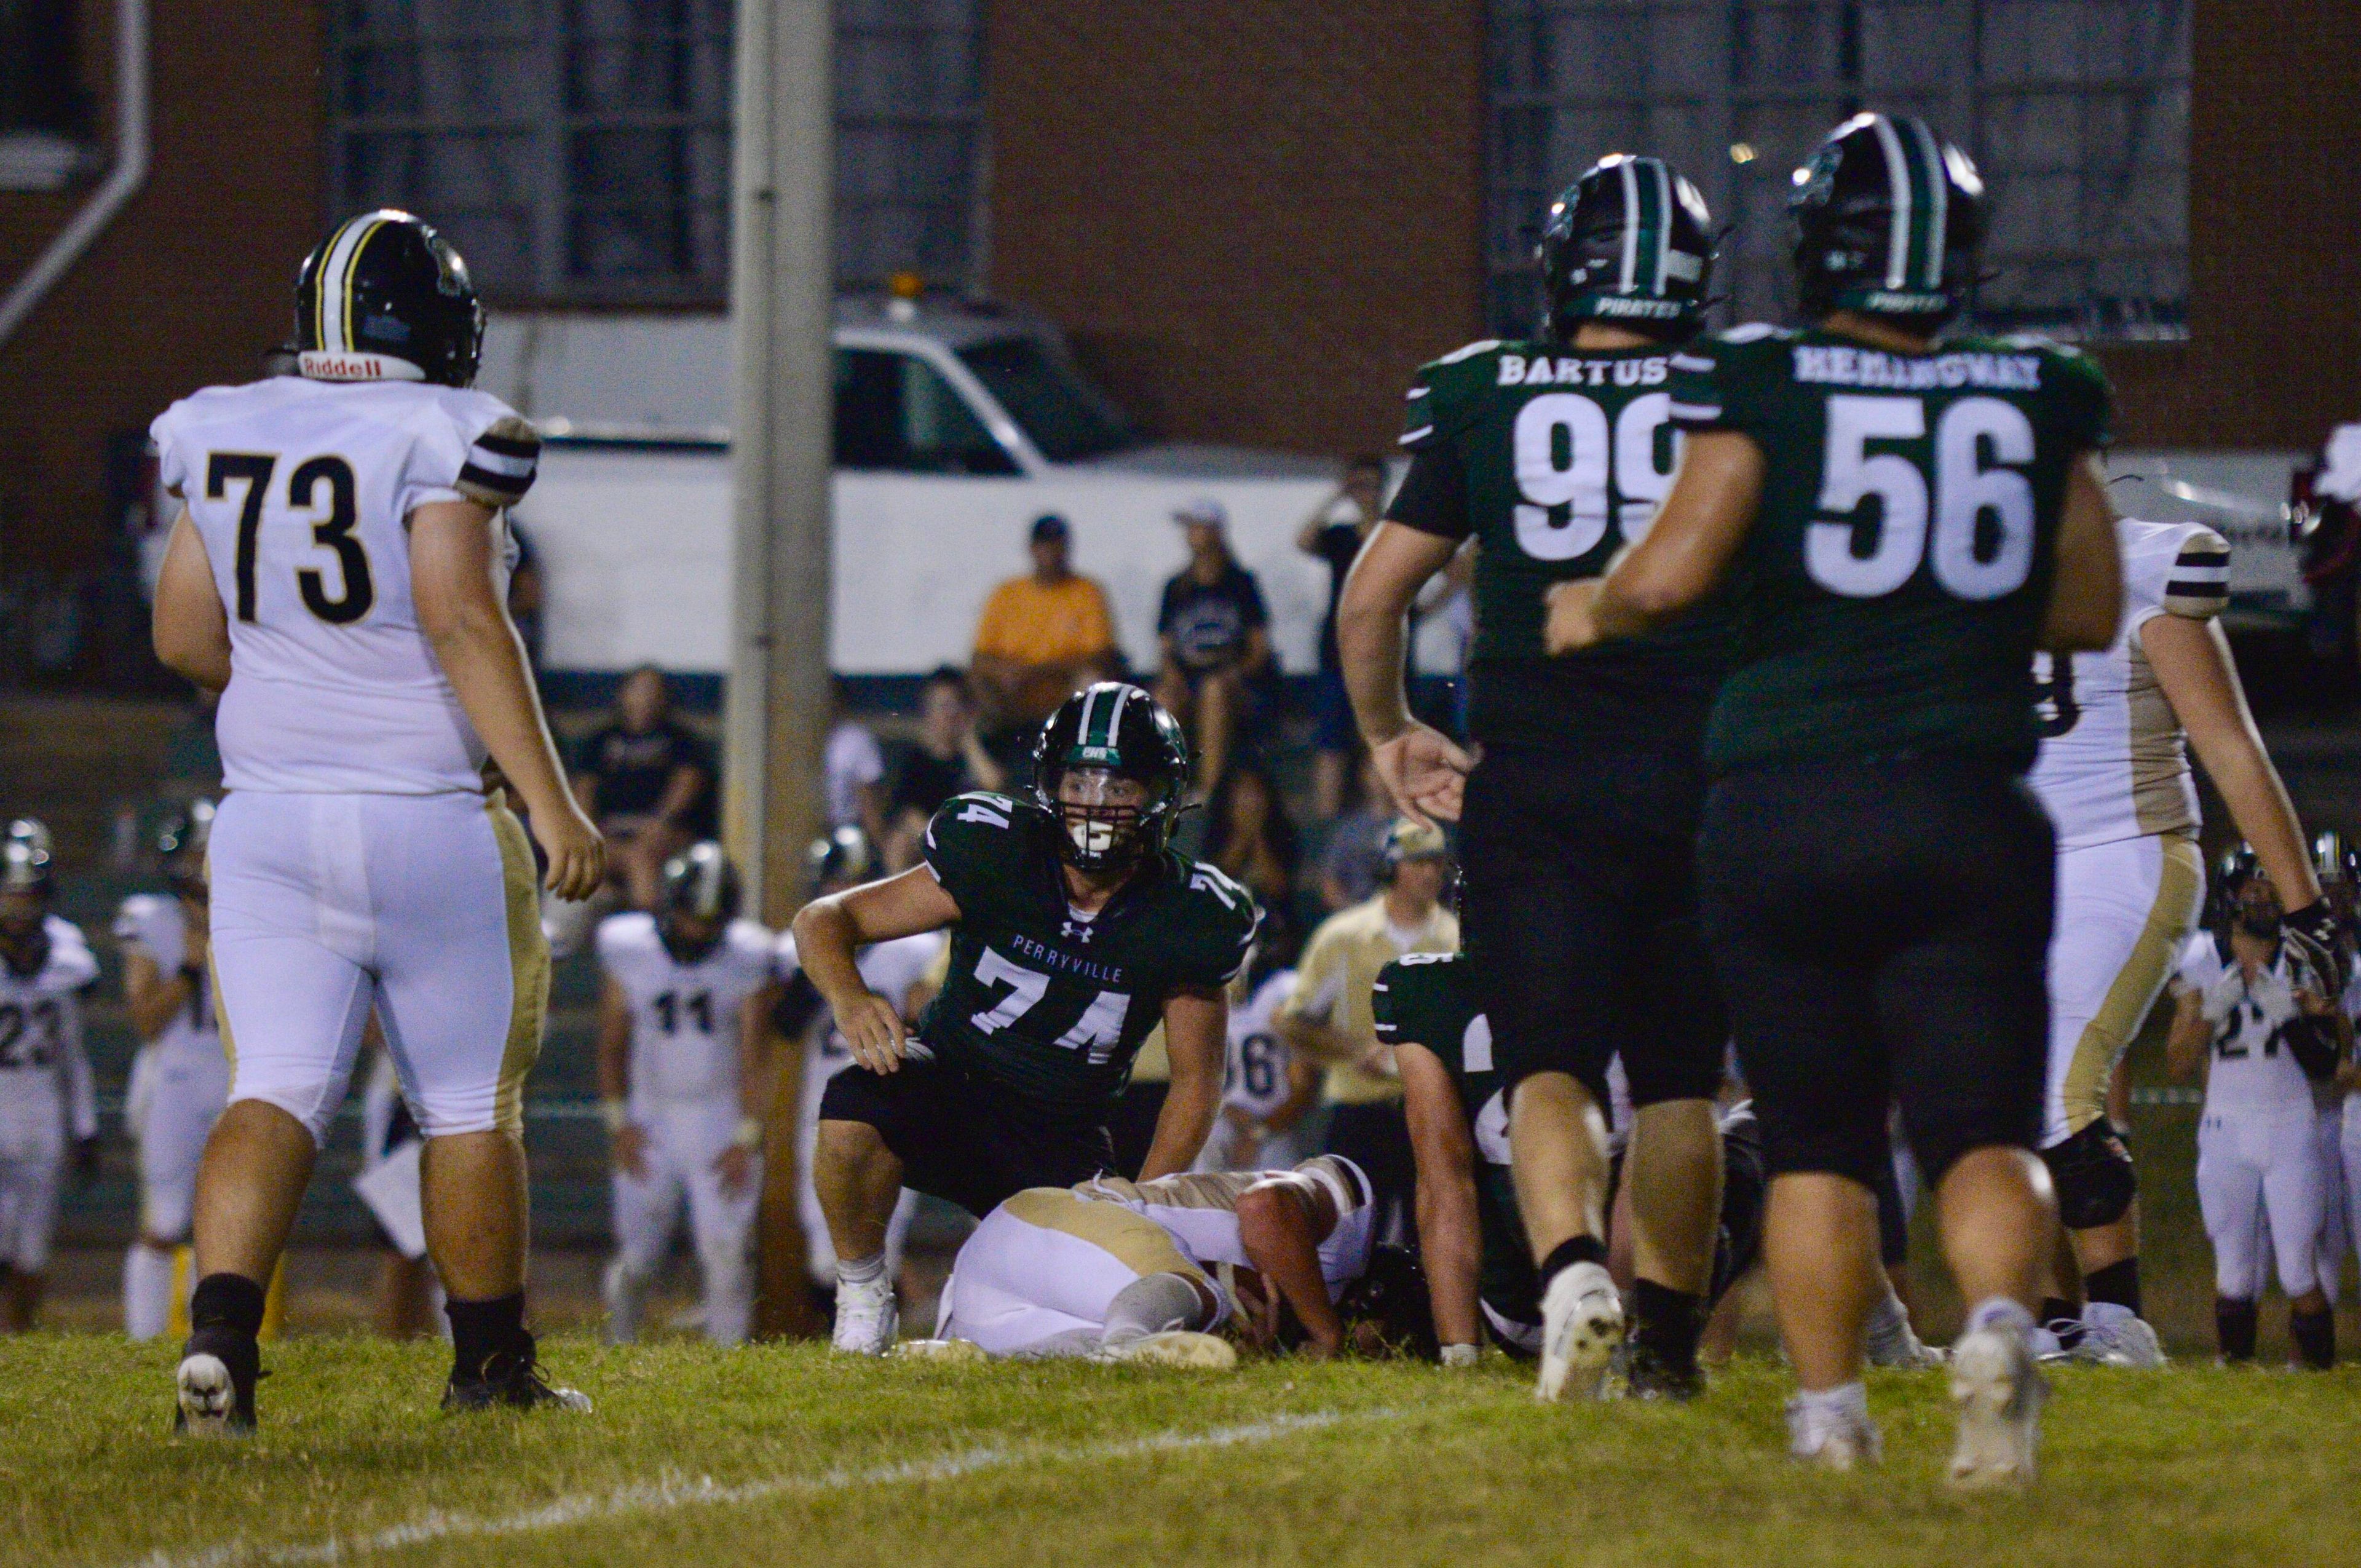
[(1582, 1322), (2115, 1336), (511, 1380), (943, 1350), (867, 1320), (215, 1386), (1178, 1347), (1635, 1371), (1998, 1391), (1833, 1440), (1894, 1344)]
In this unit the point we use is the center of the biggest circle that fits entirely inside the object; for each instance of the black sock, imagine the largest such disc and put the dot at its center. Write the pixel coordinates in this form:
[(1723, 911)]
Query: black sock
[(229, 1302), (2315, 1337), (2063, 1319), (2118, 1284), (480, 1330), (2234, 1328), (1566, 1254), (1668, 1322)]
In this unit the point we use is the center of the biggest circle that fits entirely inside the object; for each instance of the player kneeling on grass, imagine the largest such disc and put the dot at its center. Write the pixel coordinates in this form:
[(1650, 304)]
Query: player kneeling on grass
[(682, 1020), (1138, 1270), (2257, 1001)]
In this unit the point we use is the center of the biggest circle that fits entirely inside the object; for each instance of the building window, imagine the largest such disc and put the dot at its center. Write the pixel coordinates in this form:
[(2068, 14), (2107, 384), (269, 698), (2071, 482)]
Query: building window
[(45, 122), (578, 151), (2077, 111)]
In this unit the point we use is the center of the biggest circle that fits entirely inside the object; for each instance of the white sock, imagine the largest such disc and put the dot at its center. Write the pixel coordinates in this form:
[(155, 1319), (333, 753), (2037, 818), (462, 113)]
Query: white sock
[(861, 1270), (2001, 1313), (1152, 1304), (1828, 1405), (1889, 1319), (147, 1291)]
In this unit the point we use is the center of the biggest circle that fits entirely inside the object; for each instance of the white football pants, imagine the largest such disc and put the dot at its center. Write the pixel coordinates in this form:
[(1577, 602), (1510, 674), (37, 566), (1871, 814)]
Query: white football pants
[(2250, 1168), (684, 1143)]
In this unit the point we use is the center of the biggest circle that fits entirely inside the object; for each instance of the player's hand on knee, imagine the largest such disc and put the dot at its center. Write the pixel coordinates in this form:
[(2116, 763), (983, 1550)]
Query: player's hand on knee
[(1425, 771), (872, 1028), (577, 855), (630, 1150), (735, 1167)]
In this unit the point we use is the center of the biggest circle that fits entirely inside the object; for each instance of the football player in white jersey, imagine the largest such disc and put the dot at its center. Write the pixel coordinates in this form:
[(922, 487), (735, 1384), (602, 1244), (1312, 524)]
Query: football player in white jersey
[(179, 1081), (2339, 869), (2114, 775), (897, 969), (46, 1099), (1267, 1087), (337, 573), (2259, 1012), (683, 1018)]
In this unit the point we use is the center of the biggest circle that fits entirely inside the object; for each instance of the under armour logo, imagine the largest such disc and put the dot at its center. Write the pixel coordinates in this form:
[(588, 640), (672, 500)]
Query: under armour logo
[(1076, 931)]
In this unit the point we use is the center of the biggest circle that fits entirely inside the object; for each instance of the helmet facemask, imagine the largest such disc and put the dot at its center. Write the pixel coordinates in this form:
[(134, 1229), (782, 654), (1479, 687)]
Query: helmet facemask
[(1108, 820)]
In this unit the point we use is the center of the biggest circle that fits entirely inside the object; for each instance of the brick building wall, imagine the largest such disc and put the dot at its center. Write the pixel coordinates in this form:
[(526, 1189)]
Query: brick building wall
[(192, 281), (1255, 215)]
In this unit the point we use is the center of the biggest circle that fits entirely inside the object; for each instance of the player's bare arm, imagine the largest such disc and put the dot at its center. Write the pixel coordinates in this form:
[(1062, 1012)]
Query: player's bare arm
[(1683, 556), (1450, 1236), (1196, 1035), (190, 630), (2086, 594), (831, 930), (154, 998), (1281, 1224), (461, 611), (2184, 1046), (1424, 769), (627, 1142), (2199, 677)]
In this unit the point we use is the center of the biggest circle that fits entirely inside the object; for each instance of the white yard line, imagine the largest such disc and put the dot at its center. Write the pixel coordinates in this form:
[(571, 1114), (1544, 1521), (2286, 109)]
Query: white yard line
[(680, 1491)]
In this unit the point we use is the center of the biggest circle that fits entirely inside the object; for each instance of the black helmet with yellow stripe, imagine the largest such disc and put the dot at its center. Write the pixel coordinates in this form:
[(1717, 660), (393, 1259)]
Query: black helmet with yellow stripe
[(385, 298)]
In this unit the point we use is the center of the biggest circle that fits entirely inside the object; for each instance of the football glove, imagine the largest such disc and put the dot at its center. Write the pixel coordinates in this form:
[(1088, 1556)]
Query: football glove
[(2319, 939)]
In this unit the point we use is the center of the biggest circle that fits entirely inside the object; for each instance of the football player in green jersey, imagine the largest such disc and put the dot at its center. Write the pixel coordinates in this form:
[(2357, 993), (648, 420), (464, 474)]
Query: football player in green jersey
[(1580, 822), (1075, 930), (1905, 522)]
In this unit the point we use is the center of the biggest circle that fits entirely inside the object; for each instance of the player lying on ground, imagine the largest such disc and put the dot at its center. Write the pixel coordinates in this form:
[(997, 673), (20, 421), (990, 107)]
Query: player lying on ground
[(2113, 775), (1147, 1270), (1074, 931), (2255, 1009), (1903, 526)]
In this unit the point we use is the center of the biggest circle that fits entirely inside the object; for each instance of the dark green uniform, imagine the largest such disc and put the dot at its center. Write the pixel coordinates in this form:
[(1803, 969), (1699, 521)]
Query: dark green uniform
[(1429, 999), (1876, 881), (1015, 1063), (1579, 822), (1899, 567)]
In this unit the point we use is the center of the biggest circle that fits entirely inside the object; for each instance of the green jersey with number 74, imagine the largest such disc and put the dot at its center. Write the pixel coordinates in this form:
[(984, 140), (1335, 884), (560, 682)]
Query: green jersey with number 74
[(1897, 573), (1051, 1003)]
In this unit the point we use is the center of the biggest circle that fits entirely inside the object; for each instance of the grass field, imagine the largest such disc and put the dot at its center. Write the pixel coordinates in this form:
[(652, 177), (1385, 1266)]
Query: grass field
[(793, 1456)]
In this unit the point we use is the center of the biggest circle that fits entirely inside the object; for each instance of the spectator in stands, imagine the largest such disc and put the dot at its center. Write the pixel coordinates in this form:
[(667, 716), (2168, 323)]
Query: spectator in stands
[(1041, 638), (1247, 834), (1334, 535), (648, 783), (1353, 863), (949, 759), (1215, 633), (853, 769)]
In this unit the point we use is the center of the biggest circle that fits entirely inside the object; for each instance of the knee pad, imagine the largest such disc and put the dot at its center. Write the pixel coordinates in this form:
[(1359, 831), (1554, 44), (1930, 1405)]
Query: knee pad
[(2093, 1175)]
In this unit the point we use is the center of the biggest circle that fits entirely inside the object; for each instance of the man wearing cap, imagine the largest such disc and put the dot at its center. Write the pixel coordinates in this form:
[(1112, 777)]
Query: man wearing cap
[(1215, 632), (1041, 638)]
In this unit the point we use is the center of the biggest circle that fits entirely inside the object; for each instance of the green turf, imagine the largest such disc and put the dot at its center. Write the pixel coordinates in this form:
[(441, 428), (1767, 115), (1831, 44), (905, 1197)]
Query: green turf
[(1080, 1465)]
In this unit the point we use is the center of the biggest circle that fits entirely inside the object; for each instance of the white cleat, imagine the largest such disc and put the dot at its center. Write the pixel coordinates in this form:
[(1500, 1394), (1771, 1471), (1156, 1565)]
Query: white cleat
[(1833, 1440), (207, 1401), (2115, 1336), (1998, 1392), (1582, 1322), (1895, 1345), (946, 1351), (867, 1321), (1178, 1347)]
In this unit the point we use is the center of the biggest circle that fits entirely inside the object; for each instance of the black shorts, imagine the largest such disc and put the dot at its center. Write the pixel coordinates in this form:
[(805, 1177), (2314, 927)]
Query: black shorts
[(1581, 909), (964, 1137), (1880, 926)]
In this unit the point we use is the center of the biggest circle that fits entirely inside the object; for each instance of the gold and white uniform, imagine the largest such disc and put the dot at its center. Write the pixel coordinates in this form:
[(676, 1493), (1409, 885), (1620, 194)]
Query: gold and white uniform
[(2114, 775)]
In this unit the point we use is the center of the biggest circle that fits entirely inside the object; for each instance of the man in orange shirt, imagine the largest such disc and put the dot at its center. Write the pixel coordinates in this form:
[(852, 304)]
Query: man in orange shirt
[(1042, 637)]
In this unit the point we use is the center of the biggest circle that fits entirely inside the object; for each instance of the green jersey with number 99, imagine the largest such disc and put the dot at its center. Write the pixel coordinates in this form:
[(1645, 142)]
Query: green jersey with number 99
[(1895, 580), (1553, 459), (1051, 1003)]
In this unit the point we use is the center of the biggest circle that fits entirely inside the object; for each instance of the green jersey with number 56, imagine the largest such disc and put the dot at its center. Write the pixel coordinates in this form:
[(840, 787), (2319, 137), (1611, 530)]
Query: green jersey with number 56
[(1553, 459), (1895, 578), (1051, 1003)]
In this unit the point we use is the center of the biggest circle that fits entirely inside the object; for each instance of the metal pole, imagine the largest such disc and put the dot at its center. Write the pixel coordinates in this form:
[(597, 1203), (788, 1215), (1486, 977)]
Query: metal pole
[(783, 302)]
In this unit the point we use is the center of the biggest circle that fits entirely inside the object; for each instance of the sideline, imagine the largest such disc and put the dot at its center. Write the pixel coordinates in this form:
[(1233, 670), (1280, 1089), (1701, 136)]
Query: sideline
[(680, 1491)]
